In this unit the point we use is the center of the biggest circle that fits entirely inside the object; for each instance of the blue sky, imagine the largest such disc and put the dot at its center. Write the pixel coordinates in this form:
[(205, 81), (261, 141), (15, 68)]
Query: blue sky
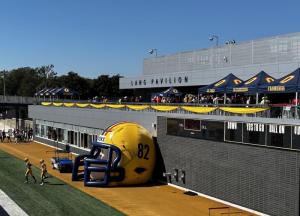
[(94, 37)]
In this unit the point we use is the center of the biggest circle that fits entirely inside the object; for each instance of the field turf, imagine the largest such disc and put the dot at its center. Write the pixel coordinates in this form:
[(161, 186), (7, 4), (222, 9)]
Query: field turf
[(54, 198)]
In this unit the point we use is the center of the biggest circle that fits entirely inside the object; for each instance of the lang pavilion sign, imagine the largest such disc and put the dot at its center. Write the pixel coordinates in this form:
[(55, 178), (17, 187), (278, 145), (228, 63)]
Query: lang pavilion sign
[(160, 81)]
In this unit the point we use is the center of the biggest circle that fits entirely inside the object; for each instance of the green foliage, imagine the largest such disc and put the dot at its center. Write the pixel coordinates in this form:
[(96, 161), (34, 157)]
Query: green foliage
[(26, 81), (54, 198)]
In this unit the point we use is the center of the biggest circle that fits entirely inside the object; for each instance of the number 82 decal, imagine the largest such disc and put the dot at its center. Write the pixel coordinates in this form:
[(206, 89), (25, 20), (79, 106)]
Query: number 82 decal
[(143, 151)]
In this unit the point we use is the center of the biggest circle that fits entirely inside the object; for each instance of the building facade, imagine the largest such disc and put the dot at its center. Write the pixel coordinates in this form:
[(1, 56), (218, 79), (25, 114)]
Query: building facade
[(277, 56), (247, 161)]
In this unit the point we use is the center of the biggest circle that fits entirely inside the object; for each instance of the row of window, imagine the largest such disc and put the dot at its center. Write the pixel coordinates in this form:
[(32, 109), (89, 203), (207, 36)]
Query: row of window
[(273, 135), (75, 138)]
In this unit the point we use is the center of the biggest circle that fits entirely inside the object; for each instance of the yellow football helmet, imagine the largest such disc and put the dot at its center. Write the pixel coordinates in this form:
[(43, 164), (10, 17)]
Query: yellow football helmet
[(123, 155)]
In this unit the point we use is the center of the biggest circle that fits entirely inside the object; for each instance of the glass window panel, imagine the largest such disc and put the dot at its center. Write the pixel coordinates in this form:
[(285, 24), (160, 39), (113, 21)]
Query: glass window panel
[(233, 131), (296, 137), (254, 133), (279, 135)]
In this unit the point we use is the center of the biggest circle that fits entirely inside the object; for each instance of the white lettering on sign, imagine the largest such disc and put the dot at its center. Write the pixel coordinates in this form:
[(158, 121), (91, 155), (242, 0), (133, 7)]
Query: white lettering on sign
[(232, 125), (297, 130), (255, 127), (160, 81), (279, 129)]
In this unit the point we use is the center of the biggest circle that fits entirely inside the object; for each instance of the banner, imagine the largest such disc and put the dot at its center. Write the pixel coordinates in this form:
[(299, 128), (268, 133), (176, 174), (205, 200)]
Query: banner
[(137, 107), (115, 106), (69, 104), (57, 104), (242, 110), (82, 105), (198, 109), (46, 103), (97, 106), (164, 108)]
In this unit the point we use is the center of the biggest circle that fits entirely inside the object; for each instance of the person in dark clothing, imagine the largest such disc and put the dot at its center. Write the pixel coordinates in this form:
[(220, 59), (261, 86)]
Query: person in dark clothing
[(3, 135)]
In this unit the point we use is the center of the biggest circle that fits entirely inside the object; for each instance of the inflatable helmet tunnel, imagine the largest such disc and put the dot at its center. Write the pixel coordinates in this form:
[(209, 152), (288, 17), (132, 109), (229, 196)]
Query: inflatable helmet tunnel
[(123, 155)]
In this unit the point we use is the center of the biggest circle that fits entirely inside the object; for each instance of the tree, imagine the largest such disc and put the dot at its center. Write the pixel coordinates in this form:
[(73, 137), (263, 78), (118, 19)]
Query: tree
[(26, 81), (76, 83), (47, 75), (21, 81)]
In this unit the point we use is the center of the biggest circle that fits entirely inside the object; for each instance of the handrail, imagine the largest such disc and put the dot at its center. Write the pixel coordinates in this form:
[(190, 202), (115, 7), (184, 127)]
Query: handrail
[(248, 110)]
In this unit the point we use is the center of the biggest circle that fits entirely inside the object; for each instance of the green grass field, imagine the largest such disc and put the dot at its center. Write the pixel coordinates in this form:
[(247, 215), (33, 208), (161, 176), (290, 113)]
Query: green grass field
[(54, 198)]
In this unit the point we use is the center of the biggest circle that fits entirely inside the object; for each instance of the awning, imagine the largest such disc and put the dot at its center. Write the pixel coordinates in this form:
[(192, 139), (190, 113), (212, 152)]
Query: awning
[(221, 86), (287, 84), (170, 92), (251, 86)]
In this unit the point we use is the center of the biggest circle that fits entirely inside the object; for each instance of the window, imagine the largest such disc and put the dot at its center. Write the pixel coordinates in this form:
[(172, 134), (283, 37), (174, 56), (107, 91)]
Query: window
[(84, 140), (296, 137), (37, 130), (60, 134), (192, 124), (233, 131), (43, 131), (279, 135), (173, 126), (254, 133), (76, 138), (212, 130), (71, 137), (209, 130)]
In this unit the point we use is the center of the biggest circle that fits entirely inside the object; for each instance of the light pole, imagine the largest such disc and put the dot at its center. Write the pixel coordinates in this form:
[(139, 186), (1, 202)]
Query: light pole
[(216, 38), (151, 51), (230, 43)]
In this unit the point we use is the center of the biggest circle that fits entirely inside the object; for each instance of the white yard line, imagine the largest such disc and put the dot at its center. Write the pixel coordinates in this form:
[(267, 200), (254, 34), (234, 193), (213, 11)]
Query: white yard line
[(10, 206)]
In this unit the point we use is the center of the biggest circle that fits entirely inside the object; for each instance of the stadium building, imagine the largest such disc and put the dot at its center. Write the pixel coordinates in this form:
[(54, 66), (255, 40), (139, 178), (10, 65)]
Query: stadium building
[(277, 56), (244, 158)]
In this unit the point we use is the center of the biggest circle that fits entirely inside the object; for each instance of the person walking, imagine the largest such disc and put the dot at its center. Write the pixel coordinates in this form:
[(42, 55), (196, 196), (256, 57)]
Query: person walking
[(28, 170), (43, 171)]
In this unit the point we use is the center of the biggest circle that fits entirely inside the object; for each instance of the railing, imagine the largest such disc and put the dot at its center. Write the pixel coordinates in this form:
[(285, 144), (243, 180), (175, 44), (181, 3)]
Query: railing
[(248, 110)]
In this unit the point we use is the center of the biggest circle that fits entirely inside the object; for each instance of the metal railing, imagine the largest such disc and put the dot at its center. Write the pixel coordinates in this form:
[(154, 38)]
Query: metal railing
[(274, 111)]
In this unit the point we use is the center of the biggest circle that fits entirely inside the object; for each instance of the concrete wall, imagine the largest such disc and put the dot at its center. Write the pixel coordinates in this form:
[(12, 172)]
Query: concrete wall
[(103, 118), (92, 118), (263, 179)]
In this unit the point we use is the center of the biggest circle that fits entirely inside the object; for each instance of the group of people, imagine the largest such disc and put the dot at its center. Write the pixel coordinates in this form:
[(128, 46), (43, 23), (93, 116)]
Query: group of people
[(209, 99), (101, 99), (16, 135), (189, 98), (29, 172), (233, 99), (137, 99), (160, 99)]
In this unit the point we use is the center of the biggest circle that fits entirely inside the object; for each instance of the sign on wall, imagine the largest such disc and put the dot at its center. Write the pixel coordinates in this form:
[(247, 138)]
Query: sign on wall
[(160, 81)]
